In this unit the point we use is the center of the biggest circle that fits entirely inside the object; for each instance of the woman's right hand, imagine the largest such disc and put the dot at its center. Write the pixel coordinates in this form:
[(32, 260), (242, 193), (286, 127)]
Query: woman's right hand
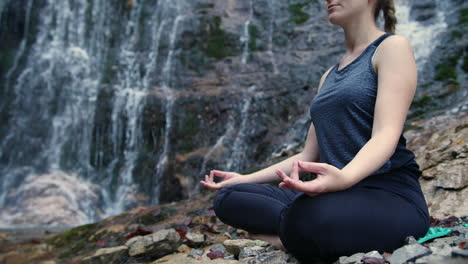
[(229, 178)]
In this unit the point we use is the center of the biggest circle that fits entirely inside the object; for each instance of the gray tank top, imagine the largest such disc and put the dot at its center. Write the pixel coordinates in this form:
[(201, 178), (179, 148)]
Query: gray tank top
[(343, 111)]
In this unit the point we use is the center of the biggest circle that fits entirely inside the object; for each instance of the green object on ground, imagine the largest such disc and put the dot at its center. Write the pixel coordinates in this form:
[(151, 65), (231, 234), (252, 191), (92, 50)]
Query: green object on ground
[(436, 232)]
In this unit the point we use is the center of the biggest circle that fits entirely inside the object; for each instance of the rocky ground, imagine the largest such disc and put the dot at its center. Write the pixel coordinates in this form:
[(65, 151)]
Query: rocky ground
[(189, 232)]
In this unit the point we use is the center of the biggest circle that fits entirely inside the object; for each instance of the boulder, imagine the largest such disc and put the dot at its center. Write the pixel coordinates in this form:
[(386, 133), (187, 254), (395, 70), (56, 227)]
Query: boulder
[(155, 245), (107, 255)]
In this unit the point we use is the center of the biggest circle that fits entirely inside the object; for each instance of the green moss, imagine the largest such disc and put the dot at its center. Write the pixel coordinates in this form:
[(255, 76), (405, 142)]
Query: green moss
[(463, 17), (445, 72), (297, 14), (423, 102), (187, 130), (204, 5), (253, 32), (77, 233), (465, 63), (219, 44), (456, 34), (422, 106)]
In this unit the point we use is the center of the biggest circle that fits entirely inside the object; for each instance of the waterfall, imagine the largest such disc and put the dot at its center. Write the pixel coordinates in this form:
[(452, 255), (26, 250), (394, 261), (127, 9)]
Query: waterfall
[(238, 147), (245, 39), (272, 7), (167, 73), (423, 37), (45, 120)]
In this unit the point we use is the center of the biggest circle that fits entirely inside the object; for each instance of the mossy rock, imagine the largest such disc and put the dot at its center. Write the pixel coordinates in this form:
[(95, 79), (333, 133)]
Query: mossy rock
[(298, 16), (219, 43)]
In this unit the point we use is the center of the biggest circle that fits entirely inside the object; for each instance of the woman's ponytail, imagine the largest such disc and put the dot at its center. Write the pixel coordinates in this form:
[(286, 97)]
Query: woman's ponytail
[(388, 9)]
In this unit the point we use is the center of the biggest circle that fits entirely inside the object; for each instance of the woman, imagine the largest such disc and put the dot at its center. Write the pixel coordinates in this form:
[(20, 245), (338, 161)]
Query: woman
[(366, 195)]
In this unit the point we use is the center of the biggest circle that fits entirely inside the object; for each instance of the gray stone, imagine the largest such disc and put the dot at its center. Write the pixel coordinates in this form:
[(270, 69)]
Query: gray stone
[(156, 245), (356, 258), (410, 240), (431, 259), (460, 231), (107, 255), (441, 242), (195, 239), (443, 251), (272, 257), (195, 253), (373, 254), (460, 253), (409, 253), (218, 247), (234, 246), (251, 251)]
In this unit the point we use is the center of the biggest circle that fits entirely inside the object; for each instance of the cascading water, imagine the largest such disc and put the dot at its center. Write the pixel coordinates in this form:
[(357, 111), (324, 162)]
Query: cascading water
[(55, 100), (238, 147), (76, 98), (423, 37), (271, 5), (246, 36)]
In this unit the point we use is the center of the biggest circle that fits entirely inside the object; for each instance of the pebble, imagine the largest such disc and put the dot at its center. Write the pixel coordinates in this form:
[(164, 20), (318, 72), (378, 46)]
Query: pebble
[(195, 253), (409, 253)]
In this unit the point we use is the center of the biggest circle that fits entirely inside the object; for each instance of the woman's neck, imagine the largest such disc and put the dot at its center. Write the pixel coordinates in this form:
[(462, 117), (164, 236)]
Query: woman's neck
[(360, 33)]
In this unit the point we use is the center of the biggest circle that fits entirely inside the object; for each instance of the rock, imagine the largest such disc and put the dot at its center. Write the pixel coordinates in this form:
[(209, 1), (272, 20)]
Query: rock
[(441, 147), (409, 253), (273, 257), (460, 253), (251, 251), (181, 258), (441, 242), (155, 245), (215, 254), (234, 246), (218, 247), (460, 231), (431, 259), (356, 258), (183, 248), (107, 255), (195, 239), (372, 260), (13, 258), (411, 240), (195, 253)]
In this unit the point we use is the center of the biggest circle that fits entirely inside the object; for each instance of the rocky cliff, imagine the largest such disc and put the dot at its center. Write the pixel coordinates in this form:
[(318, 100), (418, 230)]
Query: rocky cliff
[(111, 105)]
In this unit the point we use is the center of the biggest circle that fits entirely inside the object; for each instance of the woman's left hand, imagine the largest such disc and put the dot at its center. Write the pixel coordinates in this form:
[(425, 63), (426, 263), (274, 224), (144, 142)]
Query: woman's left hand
[(329, 178)]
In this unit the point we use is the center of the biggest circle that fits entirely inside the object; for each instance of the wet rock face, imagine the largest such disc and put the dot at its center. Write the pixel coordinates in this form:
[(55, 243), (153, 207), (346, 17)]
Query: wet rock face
[(423, 10), (440, 144)]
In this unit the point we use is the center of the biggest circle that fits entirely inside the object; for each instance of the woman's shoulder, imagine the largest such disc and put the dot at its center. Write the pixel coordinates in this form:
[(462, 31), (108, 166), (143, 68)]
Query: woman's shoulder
[(394, 46), (395, 43)]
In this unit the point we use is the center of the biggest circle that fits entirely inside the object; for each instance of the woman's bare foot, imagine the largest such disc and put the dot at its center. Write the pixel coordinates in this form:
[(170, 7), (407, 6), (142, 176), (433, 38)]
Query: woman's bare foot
[(272, 239)]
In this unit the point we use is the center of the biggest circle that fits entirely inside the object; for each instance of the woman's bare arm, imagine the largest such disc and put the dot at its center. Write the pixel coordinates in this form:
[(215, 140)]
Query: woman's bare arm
[(397, 80)]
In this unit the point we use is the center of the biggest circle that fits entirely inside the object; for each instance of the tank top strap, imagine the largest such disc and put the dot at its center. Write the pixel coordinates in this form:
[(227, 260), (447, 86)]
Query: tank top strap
[(379, 40)]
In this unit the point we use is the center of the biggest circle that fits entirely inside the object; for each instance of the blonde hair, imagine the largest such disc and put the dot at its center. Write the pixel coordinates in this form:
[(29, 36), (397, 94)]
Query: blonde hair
[(388, 9)]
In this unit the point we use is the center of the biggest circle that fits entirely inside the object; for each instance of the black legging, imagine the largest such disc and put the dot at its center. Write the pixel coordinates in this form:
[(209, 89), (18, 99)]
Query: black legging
[(359, 219)]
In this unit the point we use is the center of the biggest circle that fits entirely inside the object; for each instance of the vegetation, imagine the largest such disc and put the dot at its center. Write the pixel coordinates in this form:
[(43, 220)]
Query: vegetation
[(204, 5), (463, 18), (297, 14), (219, 43), (253, 32), (446, 70), (465, 63)]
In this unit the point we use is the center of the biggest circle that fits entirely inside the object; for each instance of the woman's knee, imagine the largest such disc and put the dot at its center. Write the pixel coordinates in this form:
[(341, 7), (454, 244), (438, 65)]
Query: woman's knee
[(220, 196)]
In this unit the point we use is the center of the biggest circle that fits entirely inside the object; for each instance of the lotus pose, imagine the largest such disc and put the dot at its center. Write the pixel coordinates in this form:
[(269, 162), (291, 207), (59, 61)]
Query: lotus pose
[(366, 195)]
